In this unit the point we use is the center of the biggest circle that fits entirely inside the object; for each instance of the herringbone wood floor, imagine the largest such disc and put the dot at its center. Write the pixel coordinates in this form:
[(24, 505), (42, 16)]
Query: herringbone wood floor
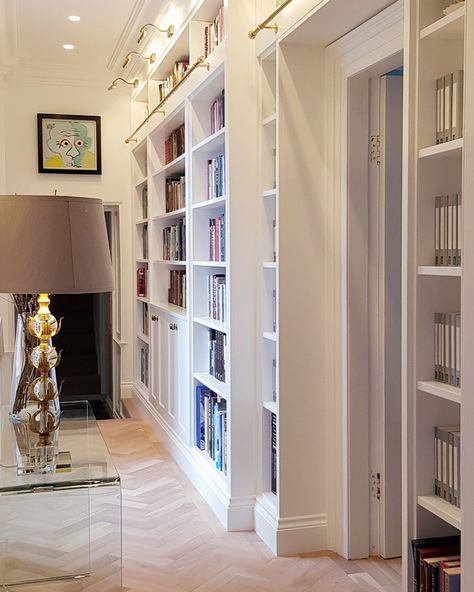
[(173, 543)]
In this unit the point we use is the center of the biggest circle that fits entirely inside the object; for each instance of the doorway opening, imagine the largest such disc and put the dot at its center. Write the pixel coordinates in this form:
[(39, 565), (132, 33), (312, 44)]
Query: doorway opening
[(374, 310)]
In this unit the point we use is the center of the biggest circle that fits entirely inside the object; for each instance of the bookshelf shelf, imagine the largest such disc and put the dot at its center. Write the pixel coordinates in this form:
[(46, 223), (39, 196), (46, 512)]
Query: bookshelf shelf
[(270, 336), (440, 270), (141, 260), (438, 389), (212, 144), (212, 383), (170, 262), (170, 215), (173, 167), (140, 183), (270, 193), (452, 149), (170, 308), (211, 324), (442, 509), (141, 222), (143, 337), (269, 265), (270, 120), (210, 204), (450, 27), (221, 264), (208, 465), (271, 406), (142, 299)]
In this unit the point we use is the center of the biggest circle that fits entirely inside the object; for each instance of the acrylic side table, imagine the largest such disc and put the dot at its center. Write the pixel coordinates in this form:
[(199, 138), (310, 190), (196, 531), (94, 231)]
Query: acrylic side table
[(61, 526)]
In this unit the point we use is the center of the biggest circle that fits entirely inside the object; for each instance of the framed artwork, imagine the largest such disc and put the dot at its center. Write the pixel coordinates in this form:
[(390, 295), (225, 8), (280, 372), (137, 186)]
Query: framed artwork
[(69, 144)]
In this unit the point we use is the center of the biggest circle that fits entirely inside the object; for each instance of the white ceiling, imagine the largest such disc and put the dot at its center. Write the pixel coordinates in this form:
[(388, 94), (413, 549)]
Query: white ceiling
[(32, 33)]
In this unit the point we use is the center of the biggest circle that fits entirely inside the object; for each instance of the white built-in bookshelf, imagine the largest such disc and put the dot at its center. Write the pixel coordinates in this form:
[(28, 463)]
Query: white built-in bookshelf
[(200, 218), (437, 169)]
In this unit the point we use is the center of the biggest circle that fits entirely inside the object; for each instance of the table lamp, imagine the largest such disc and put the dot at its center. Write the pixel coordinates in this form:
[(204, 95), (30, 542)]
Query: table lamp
[(51, 245)]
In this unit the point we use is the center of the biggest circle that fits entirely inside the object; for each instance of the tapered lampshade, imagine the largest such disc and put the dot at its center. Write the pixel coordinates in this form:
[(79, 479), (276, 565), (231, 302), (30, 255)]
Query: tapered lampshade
[(53, 244)]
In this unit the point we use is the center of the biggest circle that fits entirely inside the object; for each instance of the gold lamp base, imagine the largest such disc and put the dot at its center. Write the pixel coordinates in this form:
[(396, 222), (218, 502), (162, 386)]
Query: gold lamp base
[(44, 357)]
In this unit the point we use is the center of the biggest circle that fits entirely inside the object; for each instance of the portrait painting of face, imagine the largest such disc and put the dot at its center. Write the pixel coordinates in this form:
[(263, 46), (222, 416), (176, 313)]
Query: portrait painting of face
[(69, 144)]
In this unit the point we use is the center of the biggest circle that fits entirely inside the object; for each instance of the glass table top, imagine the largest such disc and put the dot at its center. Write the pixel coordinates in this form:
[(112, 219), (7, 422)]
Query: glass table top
[(78, 435)]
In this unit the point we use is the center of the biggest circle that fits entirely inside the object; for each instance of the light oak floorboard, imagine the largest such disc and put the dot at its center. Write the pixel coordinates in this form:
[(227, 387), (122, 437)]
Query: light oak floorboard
[(172, 542)]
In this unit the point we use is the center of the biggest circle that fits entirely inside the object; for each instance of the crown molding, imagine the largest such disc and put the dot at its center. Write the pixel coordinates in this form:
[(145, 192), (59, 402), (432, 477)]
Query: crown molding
[(124, 39)]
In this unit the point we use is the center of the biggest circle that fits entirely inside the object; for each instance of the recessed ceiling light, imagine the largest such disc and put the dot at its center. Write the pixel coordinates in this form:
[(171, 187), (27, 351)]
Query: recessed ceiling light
[(68, 46), (74, 19)]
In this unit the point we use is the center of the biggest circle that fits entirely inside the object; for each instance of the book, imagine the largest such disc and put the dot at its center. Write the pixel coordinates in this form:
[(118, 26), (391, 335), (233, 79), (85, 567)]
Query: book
[(218, 113), (217, 354), (274, 459), (174, 241), (217, 238), (175, 193), (211, 426), (175, 145), (145, 241), (449, 107), (141, 282), (452, 579), (447, 348), (447, 463), (214, 33), (431, 547), (216, 180), (145, 321), (216, 290), (177, 287), (145, 202), (180, 69)]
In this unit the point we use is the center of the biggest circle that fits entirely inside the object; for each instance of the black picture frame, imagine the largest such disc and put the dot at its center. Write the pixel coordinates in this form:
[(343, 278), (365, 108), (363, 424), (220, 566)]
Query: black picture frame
[(69, 144)]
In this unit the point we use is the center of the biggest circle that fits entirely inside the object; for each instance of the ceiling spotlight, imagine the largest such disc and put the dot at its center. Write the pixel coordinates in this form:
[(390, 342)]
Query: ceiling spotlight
[(135, 83), (143, 31), (74, 19), (68, 46), (151, 58)]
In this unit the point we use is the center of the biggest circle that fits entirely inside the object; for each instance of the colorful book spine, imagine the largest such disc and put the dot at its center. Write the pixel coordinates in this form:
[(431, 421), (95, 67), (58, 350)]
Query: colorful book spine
[(274, 459), (142, 282), (177, 287), (214, 33), (211, 426), (217, 354), (217, 238), (216, 289), (216, 177), (175, 145), (174, 241), (218, 113), (179, 70), (175, 193)]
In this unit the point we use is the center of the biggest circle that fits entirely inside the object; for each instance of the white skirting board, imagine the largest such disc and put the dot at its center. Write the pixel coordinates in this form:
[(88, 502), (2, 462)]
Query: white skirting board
[(290, 536), (235, 514)]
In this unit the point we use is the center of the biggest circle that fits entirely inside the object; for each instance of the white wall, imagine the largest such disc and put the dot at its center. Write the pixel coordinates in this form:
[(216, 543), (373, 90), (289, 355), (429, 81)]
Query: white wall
[(22, 101)]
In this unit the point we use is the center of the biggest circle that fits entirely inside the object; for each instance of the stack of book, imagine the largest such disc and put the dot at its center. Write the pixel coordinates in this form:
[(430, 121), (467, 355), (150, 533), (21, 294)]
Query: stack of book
[(179, 70), (174, 145), (274, 454), (448, 464), (217, 345), (437, 564), (145, 202), (449, 107), (216, 297), (216, 177), (218, 113), (214, 33), (145, 322), (211, 426), (145, 241), (175, 198), (177, 287), (448, 230), (144, 365), (142, 282), (217, 238), (174, 241), (448, 348)]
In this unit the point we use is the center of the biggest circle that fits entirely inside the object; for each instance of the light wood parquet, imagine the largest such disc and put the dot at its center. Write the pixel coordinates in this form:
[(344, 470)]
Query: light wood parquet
[(172, 542)]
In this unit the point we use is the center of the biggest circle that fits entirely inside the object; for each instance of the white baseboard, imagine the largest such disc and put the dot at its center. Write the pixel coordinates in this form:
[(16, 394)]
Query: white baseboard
[(126, 390), (234, 513), (290, 536)]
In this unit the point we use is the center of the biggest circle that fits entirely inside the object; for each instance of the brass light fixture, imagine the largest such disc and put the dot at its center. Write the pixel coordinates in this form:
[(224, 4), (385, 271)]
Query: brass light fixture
[(134, 83), (143, 31), (151, 58)]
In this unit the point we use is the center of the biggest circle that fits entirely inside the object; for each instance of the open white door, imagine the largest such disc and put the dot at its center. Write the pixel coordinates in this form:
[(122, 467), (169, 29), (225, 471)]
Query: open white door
[(385, 189)]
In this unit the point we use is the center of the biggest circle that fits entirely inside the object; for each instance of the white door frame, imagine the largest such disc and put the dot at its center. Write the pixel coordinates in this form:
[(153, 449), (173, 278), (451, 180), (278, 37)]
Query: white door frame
[(377, 40)]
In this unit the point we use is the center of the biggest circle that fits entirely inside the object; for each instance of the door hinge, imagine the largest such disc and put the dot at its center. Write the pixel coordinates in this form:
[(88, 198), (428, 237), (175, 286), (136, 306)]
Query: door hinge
[(375, 149), (375, 485)]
